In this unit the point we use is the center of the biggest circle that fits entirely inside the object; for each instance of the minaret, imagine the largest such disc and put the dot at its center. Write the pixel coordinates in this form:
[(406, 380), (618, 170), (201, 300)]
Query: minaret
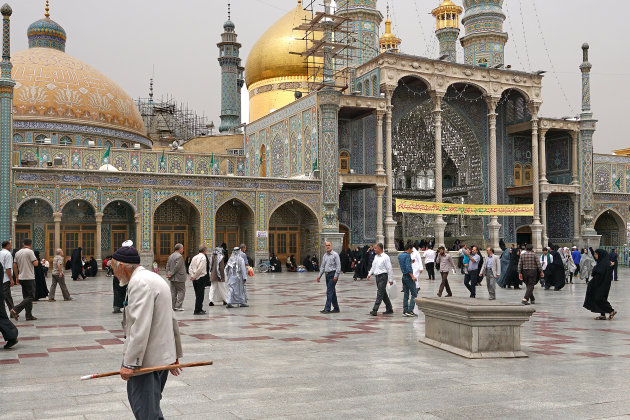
[(231, 77), (447, 29), (365, 21), (587, 129), (6, 126), (389, 41), (484, 43)]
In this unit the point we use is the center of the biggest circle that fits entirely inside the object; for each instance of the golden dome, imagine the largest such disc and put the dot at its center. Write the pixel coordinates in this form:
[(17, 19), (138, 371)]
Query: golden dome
[(52, 85), (389, 41), (271, 56)]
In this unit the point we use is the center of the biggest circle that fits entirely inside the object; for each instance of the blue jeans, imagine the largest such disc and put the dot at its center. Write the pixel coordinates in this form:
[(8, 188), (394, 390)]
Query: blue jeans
[(409, 287), (331, 293)]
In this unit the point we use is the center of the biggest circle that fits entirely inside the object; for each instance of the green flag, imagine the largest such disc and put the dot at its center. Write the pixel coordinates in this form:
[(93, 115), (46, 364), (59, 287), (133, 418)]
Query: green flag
[(162, 158), (315, 165), (212, 160), (106, 154), (260, 160), (37, 154), (618, 183)]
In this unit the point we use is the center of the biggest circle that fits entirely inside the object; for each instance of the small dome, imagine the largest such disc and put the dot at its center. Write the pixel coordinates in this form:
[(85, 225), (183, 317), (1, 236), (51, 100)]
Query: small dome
[(46, 33), (108, 168), (6, 10), (228, 25)]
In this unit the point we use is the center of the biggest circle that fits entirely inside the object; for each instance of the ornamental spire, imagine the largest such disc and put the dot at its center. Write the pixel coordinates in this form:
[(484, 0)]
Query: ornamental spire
[(47, 14)]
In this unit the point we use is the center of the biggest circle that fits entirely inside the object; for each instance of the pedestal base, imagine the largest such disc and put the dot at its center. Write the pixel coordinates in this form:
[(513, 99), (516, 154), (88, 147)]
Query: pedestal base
[(590, 238), (537, 229), (473, 328), (493, 227), (335, 238), (440, 226), (146, 259), (390, 229)]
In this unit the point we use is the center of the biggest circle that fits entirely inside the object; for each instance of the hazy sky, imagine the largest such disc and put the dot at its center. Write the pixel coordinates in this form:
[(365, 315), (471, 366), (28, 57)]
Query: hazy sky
[(126, 39)]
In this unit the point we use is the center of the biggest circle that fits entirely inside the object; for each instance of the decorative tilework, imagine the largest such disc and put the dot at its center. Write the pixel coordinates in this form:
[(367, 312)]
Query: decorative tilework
[(207, 218), (105, 237), (223, 196), (147, 218), (89, 194), (261, 223)]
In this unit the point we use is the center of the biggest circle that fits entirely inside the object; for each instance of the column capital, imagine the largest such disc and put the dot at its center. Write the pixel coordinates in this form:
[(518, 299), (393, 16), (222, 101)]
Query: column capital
[(437, 96), (380, 113), (544, 195), (574, 134), (534, 107), (492, 102), (57, 216), (98, 217), (542, 132), (379, 190), (388, 90)]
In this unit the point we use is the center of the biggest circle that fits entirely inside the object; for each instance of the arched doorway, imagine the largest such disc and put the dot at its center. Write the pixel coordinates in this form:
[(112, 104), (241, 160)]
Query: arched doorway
[(175, 221), (524, 235), (35, 221), (612, 228), (293, 230), (78, 228), (346, 236), (118, 225), (234, 225)]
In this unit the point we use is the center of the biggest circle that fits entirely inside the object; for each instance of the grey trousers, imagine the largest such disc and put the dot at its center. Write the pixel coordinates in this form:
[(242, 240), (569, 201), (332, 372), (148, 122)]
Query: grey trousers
[(491, 282), (145, 392), (178, 292), (61, 281)]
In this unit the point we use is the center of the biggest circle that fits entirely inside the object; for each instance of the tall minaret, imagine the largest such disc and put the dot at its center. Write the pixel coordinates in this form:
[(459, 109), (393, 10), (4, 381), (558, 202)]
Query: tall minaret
[(6, 126), (484, 42), (587, 129), (231, 77), (389, 41), (447, 29), (365, 21)]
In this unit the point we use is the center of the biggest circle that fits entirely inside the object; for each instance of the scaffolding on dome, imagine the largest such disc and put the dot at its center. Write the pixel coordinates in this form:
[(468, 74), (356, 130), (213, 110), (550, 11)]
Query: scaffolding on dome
[(167, 121), (317, 44)]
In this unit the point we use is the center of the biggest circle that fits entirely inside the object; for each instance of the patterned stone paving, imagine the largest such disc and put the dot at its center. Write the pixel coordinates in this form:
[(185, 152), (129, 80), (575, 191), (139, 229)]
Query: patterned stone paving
[(281, 358)]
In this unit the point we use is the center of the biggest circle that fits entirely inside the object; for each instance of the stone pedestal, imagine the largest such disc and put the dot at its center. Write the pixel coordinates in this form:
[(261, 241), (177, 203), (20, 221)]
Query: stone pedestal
[(390, 229), (146, 259), (473, 328), (335, 238), (493, 227), (590, 239)]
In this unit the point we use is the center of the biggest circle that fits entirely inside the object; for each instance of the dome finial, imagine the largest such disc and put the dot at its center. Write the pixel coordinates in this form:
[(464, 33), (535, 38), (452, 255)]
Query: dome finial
[(299, 2), (388, 12), (229, 12), (47, 14)]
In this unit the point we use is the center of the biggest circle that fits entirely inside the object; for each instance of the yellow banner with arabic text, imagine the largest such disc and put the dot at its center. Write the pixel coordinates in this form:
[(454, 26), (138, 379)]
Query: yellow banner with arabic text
[(410, 206)]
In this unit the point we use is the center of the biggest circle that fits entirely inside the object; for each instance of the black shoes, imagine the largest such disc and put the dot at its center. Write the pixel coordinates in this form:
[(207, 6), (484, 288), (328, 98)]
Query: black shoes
[(325, 311), (244, 305), (31, 318), (116, 311), (524, 302), (335, 311), (211, 304), (389, 312), (373, 313), (10, 344), (229, 305), (200, 313)]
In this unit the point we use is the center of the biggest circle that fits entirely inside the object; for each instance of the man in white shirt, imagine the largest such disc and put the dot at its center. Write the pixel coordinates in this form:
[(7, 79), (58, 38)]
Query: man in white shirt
[(429, 262), (382, 269), (198, 272), (416, 264), (6, 259)]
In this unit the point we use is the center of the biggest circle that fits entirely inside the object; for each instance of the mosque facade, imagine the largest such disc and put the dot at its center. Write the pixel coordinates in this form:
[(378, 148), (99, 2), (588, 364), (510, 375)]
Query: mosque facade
[(78, 168)]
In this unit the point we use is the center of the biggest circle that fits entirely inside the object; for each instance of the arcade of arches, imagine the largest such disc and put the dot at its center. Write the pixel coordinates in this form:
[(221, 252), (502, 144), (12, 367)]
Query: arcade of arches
[(293, 228), (611, 227)]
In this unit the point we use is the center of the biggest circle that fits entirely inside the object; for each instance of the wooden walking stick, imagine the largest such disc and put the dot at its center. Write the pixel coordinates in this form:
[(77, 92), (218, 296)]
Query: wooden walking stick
[(147, 370)]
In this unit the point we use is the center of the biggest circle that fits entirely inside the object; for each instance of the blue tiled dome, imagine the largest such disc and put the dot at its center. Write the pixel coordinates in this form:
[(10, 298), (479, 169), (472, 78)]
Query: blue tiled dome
[(46, 33)]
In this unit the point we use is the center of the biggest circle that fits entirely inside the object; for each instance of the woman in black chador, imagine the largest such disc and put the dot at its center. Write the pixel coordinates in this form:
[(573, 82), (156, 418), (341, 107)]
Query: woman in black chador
[(598, 288), (41, 289), (511, 277)]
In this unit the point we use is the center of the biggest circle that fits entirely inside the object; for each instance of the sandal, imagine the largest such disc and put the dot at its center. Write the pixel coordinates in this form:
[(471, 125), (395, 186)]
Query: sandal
[(599, 318), (612, 315)]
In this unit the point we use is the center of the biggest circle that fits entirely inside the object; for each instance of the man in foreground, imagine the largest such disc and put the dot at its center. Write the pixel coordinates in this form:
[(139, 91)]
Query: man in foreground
[(151, 333), (6, 259), (491, 269), (176, 274), (331, 266), (24, 265), (198, 271), (528, 269), (8, 330), (382, 269), (408, 281)]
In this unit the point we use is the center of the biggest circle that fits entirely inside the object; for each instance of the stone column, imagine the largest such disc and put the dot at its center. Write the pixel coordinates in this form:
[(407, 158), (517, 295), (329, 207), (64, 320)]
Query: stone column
[(57, 219), (574, 158), (493, 225), (6, 128), (543, 215), (99, 239), (536, 226), (379, 190), (440, 224), (543, 157), (138, 233), (390, 224), (13, 223), (575, 199), (379, 143)]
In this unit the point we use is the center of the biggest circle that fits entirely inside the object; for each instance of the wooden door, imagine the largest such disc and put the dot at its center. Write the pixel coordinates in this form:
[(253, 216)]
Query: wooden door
[(284, 241), (164, 241)]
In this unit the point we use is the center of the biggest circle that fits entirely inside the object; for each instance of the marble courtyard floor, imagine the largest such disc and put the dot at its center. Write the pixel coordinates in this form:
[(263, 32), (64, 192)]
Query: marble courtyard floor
[(280, 358)]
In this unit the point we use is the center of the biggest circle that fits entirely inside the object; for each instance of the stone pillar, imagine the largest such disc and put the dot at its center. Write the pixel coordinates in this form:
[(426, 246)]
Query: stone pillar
[(574, 158), (536, 226), (575, 199), (99, 238), (543, 157), (543, 215), (440, 224), (379, 190), (390, 224), (587, 129), (138, 233), (57, 219), (493, 225), (379, 143), (12, 237), (6, 128)]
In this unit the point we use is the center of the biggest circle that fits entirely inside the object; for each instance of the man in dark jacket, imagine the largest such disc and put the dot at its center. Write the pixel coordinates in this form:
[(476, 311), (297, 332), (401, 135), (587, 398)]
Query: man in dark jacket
[(614, 259)]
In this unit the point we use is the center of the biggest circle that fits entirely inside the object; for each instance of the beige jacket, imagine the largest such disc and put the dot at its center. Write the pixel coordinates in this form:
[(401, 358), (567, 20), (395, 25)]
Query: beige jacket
[(496, 266), (151, 331), (176, 267)]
